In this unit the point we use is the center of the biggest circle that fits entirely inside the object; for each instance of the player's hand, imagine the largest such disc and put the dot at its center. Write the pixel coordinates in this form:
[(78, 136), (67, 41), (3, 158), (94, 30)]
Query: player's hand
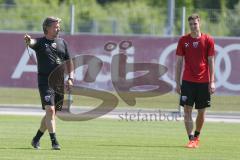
[(27, 39), (178, 89), (69, 84), (212, 87)]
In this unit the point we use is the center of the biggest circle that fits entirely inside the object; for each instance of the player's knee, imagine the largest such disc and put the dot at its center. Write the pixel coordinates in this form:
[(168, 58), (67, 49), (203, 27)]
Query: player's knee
[(188, 117), (50, 109), (201, 111), (201, 115), (187, 110)]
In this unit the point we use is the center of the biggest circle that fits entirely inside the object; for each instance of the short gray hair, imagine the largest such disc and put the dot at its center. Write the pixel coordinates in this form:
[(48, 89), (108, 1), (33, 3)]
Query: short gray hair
[(48, 22)]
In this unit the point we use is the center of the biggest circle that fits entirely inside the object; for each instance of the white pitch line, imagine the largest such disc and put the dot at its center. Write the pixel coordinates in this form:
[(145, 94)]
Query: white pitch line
[(14, 110)]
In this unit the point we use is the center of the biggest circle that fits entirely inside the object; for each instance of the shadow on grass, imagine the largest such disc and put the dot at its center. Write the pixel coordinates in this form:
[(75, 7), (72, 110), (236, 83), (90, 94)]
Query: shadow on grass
[(140, 146), (22, 148)]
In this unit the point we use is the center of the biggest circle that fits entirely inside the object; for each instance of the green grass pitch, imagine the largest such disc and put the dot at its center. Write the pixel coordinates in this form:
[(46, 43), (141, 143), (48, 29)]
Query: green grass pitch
[(103, 139), (117, 140)]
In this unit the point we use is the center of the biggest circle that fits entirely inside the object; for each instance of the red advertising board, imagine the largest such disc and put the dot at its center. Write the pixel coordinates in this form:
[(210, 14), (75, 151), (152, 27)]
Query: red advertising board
[(18, 70)]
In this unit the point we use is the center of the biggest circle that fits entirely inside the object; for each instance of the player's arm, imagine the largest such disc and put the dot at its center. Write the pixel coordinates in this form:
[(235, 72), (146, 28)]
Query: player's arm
[(211, 70), (178, 71), (70, 67), (29, 41)]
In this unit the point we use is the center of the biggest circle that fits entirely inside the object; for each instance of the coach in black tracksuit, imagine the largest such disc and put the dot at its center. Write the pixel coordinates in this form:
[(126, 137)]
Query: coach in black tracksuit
[(51, 51)]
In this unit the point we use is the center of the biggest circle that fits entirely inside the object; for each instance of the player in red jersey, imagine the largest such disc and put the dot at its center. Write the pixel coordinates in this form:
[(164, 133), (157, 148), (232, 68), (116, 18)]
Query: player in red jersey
[(196, 49)]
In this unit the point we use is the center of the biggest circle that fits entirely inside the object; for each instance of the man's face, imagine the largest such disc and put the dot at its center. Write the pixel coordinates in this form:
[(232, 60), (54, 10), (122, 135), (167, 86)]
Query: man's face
[(194, 25), (54, 29)]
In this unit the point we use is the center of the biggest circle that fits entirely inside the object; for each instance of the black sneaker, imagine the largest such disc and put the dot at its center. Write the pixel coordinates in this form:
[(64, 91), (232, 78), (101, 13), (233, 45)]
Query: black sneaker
[(55, 146), (35, 144)]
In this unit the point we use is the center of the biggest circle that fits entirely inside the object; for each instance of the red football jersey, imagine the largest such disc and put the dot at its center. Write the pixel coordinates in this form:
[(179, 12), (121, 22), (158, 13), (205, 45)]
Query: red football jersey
[(196, 52)]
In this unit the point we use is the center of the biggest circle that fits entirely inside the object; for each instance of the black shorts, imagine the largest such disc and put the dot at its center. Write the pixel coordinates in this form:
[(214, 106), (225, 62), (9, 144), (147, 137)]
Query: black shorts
[(195, 93), (50, 96)]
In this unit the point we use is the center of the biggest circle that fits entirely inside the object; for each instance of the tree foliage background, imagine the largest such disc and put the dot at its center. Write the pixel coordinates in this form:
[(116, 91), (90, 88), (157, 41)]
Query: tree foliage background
[(218, 17)]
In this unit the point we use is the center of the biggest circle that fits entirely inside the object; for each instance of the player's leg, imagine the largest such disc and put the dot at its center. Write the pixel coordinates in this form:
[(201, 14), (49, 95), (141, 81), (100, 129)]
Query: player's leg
[(35, 142), (36, 139), (43, 126), (199, 124), (56, 104), (45, 98), (189, 125), (188, 121), (187, 100), (58, 101), (50, 119), (199, 121), (202, 102), (51, 125)]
